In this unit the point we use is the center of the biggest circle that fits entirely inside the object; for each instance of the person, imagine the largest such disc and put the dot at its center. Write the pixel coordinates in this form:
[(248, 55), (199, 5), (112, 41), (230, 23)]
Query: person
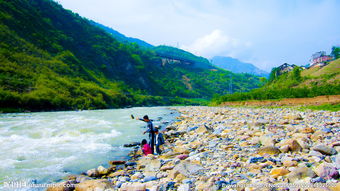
[(146, 148), (159, 141), (150, 130)]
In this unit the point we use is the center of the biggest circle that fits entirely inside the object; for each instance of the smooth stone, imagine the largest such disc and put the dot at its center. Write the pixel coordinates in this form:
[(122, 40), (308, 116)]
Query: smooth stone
[(82, 178), (92, 172), (150, 178), (137, 175), (318, 180), (133, 186), (267, 140), (299, 173), (271, 150), (255, 159), (117, 173), (186, 168), (192, 128), (201, 130), (279, 172), (102, 170), (327, 171), (294, 146), (289, 163), (184, 187), (325, 149), (182, 157)]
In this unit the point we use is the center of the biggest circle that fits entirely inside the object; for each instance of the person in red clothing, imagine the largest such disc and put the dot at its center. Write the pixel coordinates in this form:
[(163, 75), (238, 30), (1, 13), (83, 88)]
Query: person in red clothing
[(146, 148)]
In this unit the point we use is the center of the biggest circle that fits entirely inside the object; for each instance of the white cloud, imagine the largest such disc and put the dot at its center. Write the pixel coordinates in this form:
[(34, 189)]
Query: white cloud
[(216, 43)]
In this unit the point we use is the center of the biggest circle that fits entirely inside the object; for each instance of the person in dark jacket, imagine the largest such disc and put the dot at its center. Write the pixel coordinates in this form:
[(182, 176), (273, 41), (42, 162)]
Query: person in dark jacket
[(150, 130), (159, 141)]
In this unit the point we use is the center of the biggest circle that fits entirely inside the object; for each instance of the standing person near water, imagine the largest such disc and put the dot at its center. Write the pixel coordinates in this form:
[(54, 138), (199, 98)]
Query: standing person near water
[(150, 130)]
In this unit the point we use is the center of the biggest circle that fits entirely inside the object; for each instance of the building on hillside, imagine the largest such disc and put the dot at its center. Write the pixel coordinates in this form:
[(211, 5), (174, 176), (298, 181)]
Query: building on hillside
[(319, 59)]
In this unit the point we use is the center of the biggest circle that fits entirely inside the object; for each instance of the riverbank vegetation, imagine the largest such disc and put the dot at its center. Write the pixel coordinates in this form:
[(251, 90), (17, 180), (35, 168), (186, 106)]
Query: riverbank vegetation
[(297, 83)]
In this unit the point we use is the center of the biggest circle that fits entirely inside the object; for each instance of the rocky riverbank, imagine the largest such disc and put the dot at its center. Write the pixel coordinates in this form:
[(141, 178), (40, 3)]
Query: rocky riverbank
[(214, 148)]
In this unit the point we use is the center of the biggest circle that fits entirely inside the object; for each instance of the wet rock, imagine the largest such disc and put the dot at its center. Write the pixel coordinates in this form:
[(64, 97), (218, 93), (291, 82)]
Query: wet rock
[(271, 150), (93, 185), (132, 144), (325, 149), (129, 163), (92, 173), (102, 170), (117, 162)]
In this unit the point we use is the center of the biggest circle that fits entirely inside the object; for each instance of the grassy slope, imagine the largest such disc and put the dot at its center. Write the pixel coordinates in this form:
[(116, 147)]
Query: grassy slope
[(312, 82)]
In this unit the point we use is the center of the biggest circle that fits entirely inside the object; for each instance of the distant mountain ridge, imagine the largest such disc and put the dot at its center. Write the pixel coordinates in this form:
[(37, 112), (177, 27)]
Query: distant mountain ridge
[(122, 38), (236, 66)]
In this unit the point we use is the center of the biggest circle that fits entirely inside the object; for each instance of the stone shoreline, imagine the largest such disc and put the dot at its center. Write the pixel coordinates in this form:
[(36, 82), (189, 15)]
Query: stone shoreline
[(216, 148)]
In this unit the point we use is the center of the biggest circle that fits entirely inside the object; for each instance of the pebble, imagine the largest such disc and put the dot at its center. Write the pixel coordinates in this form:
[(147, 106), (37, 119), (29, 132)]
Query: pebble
[(210, 148)]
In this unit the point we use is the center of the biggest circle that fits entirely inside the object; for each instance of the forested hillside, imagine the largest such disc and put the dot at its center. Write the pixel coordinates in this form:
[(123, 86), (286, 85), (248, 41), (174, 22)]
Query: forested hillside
[(51, 58), (297, 83)]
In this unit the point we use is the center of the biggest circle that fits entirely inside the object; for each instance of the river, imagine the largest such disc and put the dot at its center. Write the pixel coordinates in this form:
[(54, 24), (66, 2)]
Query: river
[(44, 147)]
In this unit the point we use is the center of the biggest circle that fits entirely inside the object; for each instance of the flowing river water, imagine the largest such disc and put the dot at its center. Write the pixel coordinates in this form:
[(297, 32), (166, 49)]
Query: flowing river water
[(44, 147)]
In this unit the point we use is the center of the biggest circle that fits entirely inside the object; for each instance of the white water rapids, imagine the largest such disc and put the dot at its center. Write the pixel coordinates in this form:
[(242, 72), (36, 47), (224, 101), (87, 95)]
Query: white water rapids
[(45, 147)]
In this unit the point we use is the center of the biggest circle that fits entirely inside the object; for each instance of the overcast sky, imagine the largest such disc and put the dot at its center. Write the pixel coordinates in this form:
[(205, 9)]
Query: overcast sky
[(266, 33)]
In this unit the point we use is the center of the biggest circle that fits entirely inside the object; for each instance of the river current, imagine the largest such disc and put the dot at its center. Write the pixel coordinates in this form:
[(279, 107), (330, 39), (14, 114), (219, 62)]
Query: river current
[(45, 147)]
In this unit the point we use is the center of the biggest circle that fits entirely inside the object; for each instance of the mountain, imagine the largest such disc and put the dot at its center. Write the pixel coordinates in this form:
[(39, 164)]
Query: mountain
[(236, 66), (54, 59), (291, 81), (122, 38), (183, 56)]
